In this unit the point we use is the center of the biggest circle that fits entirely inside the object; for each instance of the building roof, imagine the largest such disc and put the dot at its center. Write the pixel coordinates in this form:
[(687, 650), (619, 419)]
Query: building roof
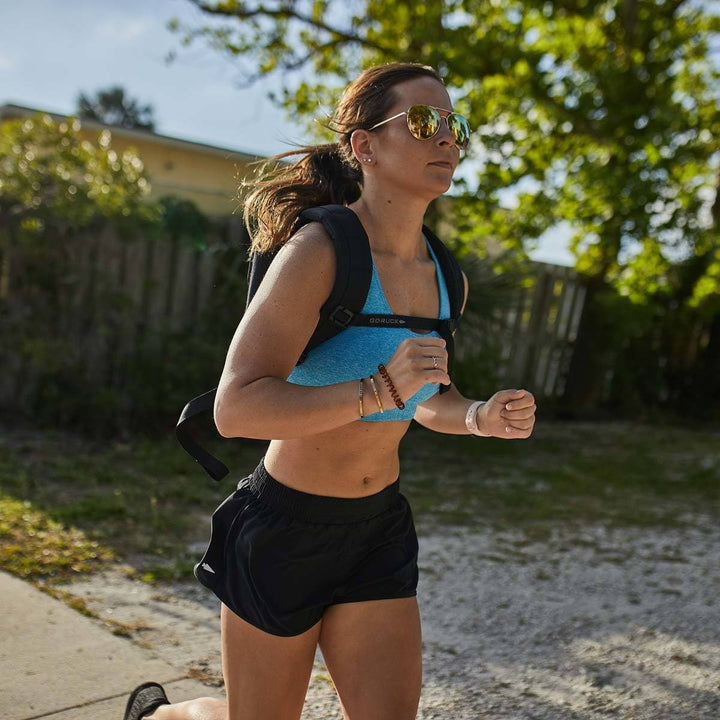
[(12, 110)]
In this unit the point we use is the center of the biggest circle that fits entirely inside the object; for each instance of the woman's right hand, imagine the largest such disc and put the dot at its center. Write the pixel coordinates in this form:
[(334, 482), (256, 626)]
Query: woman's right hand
[(416, 362)]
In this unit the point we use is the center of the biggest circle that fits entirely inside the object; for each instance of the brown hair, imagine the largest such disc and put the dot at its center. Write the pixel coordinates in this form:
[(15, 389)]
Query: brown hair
[(325, 174)]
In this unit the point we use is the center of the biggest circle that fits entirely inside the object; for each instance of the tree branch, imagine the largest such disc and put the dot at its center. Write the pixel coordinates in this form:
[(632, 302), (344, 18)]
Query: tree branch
[(288, 14)]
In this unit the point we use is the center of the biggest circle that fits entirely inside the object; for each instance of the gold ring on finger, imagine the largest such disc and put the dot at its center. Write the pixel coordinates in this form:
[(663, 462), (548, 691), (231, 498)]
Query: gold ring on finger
[(434, 362)]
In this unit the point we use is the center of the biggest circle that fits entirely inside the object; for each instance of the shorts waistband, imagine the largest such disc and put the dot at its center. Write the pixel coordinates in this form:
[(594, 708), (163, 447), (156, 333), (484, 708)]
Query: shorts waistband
[(321, 509)]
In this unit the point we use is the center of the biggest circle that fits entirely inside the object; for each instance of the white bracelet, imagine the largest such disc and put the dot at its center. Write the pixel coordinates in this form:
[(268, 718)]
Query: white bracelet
[(471, 419)]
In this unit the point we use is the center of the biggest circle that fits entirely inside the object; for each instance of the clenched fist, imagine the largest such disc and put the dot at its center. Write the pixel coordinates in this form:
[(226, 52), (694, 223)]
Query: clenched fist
[(508, 414)]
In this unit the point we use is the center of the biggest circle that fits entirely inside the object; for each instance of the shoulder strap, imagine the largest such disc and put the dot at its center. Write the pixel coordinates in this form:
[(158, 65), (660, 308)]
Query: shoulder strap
[(257, 269), (456, 293), (352, 280), (353, 270), (451, 272)]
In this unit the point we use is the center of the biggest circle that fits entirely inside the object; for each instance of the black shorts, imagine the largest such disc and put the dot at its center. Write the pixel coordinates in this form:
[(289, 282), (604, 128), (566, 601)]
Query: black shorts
[(278, 557)]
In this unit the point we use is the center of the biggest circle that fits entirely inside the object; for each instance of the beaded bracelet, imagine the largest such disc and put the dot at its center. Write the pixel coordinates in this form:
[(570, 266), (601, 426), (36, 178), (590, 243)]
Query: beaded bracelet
[(391, 387)]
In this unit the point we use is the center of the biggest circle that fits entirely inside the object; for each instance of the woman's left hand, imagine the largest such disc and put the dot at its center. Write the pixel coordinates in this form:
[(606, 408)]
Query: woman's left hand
[(508, 414)]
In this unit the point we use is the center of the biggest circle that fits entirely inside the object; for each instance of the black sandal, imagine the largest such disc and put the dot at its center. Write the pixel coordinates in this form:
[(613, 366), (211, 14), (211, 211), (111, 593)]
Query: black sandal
[(145, 699)]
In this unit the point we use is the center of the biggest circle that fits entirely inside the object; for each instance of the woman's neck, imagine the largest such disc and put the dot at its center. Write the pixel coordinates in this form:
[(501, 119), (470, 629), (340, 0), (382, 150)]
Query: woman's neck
[(393, 224)]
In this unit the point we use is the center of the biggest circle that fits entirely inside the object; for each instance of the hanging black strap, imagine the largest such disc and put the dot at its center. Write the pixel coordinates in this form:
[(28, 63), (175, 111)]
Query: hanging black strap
[(201, 404)]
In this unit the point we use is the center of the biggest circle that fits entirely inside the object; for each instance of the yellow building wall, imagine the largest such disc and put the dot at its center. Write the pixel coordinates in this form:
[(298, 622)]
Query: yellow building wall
[(210, 178), (207, 175)]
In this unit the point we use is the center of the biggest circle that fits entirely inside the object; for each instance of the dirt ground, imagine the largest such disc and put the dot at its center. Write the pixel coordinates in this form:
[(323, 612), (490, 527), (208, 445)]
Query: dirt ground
[(586, 624)]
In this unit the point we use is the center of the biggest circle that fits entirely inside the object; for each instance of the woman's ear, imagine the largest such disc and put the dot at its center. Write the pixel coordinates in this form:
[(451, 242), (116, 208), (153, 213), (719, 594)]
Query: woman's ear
[(361, 143)]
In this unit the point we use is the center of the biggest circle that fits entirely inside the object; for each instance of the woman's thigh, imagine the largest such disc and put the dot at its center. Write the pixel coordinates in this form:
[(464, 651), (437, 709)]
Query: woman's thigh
[(373, 651), (266, 676)]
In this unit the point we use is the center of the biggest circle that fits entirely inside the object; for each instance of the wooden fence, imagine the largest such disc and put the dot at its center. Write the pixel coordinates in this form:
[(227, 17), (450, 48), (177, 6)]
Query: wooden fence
[(544, 323), (119, 293)]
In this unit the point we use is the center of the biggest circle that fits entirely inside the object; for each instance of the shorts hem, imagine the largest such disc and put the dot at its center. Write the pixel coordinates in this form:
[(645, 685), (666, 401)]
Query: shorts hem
[(376, 599), (254, 623)]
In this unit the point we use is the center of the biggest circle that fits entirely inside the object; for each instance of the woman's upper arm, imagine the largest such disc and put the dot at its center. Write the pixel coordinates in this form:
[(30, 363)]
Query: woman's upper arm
[(284, 311)]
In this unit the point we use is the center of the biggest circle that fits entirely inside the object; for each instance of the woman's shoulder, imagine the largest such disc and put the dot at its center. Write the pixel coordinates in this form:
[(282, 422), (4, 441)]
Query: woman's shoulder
[(306, 261), (310, 242)]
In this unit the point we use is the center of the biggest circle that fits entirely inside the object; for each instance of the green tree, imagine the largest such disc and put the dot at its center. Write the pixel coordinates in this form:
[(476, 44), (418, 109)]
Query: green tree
[(112, 107), (51, 177), (55, 185), (600, 114)]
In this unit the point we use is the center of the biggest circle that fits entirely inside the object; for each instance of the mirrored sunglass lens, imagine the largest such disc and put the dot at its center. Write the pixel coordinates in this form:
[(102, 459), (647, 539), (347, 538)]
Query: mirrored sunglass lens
[(423, 121), (460, 129)]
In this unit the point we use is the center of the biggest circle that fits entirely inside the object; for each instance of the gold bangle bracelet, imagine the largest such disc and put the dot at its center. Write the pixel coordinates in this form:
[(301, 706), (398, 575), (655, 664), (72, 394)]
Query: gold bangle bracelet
[(377, 395), (360, 399)]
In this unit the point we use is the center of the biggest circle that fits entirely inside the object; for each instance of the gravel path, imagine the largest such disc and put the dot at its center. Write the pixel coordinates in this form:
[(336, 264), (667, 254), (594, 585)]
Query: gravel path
[(588, 623)]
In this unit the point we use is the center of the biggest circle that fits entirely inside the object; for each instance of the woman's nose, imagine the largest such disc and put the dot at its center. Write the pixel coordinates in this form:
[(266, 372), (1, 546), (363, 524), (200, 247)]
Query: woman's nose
[(444, 134)]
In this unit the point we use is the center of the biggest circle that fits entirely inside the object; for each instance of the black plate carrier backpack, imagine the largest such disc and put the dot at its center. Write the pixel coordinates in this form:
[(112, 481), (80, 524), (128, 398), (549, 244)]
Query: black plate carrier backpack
[(353, 272)]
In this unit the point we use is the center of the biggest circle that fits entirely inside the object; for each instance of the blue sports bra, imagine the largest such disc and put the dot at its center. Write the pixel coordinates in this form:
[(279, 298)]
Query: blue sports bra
[(357, 351)]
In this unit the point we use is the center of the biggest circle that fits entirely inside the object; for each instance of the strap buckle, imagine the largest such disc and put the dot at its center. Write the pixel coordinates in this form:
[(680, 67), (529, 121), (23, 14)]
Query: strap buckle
[(342, 322)]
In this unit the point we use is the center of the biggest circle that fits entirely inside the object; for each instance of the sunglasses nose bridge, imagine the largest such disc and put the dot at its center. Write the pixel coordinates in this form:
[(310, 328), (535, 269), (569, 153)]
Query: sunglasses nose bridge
[(439, 134)]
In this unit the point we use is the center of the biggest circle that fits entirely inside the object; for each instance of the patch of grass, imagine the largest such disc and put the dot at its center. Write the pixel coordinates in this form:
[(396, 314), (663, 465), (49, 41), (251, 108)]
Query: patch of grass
[(69, 506), (566, 474), (36, 547), (76, 603)]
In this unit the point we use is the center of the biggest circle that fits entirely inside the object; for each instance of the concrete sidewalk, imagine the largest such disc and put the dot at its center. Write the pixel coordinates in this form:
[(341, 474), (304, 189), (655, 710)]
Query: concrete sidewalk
[(58, 664)]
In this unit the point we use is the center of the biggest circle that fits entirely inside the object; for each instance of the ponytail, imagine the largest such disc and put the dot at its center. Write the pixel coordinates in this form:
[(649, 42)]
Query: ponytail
[(326, 174), (323, 176)]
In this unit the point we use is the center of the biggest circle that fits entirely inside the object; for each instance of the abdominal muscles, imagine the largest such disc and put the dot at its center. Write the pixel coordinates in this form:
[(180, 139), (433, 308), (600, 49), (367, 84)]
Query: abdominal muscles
[(354, 460)]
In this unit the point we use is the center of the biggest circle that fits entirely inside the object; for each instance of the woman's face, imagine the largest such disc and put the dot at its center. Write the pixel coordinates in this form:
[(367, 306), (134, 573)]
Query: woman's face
[(424, 167)]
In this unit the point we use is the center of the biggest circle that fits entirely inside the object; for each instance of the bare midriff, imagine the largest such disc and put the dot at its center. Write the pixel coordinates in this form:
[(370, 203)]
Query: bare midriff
[(354, 460)]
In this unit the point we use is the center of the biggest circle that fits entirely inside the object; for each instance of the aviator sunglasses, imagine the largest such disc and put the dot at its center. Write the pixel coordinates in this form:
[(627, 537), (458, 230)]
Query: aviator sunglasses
[(424, 121)]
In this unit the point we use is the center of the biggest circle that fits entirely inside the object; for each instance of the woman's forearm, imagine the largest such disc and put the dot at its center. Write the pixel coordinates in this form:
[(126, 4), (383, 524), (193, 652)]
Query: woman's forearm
[(271, 408), (445, 413)]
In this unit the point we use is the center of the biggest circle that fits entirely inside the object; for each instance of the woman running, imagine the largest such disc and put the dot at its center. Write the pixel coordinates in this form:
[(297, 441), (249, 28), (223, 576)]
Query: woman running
[(317, 546)]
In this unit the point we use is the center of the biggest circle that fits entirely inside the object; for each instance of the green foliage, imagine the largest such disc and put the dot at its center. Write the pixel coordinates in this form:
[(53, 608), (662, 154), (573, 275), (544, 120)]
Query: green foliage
[(494, 285), (143, 387), (71, 506), (567, 474), (58, 194), (112, 107), (600, 114), (51, 177), (182, 219)]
